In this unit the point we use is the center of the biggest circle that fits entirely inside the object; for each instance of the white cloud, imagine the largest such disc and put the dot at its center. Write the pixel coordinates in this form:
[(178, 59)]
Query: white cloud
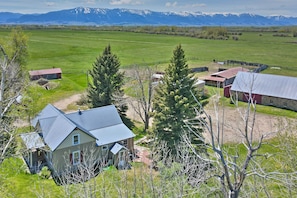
[(50, 3), (169, 4), (92, 2), (120, 2), (125, 2)]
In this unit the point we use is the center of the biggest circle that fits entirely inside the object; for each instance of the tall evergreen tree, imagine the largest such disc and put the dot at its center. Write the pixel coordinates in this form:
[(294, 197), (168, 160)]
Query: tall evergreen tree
[(105, 87), (173, 102)]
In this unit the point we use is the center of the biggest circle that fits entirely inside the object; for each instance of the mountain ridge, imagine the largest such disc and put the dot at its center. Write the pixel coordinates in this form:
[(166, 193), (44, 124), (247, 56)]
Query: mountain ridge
[(118, 16)]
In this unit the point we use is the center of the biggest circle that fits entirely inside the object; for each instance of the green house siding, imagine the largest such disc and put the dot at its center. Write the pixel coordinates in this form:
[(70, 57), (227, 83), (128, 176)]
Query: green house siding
[(62, 158)]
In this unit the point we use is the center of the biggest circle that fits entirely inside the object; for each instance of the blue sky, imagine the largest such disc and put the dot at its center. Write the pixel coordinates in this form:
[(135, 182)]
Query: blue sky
[(262, 7)]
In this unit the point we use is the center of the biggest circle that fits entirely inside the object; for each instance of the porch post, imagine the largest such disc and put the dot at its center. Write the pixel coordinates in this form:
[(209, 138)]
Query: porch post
[(30, 157)]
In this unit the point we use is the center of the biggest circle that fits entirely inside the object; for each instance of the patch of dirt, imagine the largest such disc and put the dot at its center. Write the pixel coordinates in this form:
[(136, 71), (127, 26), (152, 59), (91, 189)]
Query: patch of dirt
[(142, 155), (229, 122), (63, 104)]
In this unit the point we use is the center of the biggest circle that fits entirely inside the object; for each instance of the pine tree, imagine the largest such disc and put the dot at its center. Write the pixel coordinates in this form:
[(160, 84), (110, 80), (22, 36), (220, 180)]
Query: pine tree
[(173, 102), (105, 87)]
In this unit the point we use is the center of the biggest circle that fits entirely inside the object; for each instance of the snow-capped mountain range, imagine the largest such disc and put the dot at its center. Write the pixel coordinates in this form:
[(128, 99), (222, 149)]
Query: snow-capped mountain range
[(100, 16)]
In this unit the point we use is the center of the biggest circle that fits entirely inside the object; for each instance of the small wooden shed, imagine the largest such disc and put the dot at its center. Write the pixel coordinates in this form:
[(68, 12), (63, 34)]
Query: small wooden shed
[(54, 73)]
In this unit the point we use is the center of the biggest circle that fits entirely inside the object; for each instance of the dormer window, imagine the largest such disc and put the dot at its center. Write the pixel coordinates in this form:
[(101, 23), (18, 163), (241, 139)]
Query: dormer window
[(75, 139)]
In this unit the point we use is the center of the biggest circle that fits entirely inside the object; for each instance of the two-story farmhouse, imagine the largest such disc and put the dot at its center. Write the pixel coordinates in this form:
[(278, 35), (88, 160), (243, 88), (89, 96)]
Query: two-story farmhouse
[(63, 141)]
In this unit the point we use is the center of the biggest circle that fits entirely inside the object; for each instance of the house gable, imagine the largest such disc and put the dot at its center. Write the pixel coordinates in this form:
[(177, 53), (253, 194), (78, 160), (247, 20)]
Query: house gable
[(59, 131), (83, 138), (104, 123)]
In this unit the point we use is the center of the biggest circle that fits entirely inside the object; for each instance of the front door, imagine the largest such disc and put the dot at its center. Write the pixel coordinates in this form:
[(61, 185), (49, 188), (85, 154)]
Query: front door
[(122, 159)]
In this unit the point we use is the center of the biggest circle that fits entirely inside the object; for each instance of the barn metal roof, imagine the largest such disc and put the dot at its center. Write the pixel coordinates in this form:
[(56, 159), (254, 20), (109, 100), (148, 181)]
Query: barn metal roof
[(229, 73), (45, 72), (266, 84)]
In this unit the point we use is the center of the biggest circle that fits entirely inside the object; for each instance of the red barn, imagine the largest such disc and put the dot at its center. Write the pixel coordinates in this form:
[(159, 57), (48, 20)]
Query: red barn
[(266, 89), (223, 78)]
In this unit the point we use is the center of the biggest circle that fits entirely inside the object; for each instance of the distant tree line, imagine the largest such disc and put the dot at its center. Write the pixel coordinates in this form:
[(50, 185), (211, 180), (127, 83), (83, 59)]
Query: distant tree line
[(204, 32)]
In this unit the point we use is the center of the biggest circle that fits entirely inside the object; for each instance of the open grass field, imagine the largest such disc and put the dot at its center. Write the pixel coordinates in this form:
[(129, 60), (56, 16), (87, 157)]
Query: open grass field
[(75, 51)]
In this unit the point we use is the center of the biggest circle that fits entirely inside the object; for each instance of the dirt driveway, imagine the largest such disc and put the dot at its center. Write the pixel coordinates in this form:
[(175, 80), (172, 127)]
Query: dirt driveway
[(229, 121), (63, 104), (264, 124)]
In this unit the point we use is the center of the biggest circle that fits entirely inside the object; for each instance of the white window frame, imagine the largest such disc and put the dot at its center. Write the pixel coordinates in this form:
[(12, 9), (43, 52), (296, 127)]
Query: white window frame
[(78, 139), (74, 162)]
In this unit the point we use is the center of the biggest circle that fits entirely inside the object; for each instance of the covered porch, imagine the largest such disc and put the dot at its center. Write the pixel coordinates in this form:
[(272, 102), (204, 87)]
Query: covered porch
[(120, 156), (35, 154)]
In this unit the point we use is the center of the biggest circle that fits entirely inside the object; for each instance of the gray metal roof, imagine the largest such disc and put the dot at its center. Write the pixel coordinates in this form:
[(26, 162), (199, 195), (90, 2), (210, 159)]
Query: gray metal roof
[(47, 112), (102, 123), (46, 124), (266, 84), (96, 118), (32, 140), (58, 132), (116, 148), (112, 134)]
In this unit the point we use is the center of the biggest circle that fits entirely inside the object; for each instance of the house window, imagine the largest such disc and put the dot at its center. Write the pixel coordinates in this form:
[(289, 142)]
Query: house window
[(75, 139), (76, 157), (104, 148)]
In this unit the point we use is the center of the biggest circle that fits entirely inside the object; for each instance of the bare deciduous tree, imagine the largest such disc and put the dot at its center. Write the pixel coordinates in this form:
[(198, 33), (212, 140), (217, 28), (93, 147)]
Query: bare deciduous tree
[(143, 94), (12, 57)]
